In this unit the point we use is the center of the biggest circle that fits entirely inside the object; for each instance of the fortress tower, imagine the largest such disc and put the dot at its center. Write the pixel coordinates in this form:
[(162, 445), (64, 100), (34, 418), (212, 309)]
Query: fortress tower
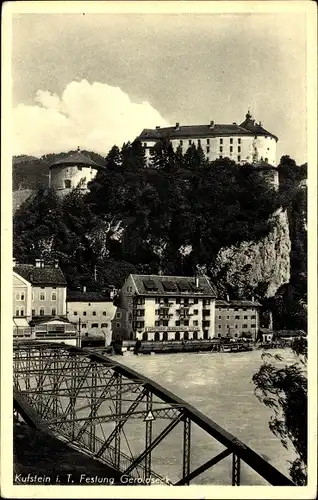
[(74, 170)]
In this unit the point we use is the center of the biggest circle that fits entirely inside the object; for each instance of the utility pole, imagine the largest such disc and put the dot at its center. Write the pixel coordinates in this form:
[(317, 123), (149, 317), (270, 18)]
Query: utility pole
[(79, 332)]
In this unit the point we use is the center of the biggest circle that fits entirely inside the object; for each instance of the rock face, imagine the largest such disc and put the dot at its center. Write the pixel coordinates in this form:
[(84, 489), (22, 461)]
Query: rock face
[(252, 266)]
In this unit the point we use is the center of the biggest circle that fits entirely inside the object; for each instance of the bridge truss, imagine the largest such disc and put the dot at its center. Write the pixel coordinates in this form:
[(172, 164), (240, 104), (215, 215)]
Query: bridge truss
[(127, 421)]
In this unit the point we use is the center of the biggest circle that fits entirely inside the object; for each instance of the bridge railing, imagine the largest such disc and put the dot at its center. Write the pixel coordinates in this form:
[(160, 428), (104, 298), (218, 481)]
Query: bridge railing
[(120, 417)]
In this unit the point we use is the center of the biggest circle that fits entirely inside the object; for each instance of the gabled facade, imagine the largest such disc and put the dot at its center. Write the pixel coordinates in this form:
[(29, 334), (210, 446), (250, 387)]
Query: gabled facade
[(168, 308), (47, 285)]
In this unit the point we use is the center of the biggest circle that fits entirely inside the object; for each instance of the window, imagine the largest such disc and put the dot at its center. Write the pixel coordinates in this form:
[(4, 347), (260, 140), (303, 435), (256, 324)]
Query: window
[(17, 296), (53, 297), (206, 334), (165, 336), (220, 317), (195, 323), (42, 311), (118, 315), (17, 312), (140, 312), (84, 325), (118, 325), (84, 313), (208, 141), (94, 313), (231, 149), (177, 323), (238, 158), (195, 311), (177, 336), (165, 322), (75, 313), (178, 301), (245, 317), (206, 302), (42, 295), (221, 149), (253, 316), (157, 323), (219, 335), (94, 325), (156, 311), (145, 336), (141, 300), (157, 336), (190, 142), (235, 335), (185, 322), (220, 156), (199, 142), (235, 326), (206, 324), (195, 335), (237, 317), (145, 144), (33, 312), (104, 325), (67, 184), (253, 325), (22, 296), (208, 149), (196, 301), (53, 311), (219, 326), (221, 141), (181, 142), (231, 140), (239, 140), (244, 326), (186, 335), (79, 167), (239, 149)]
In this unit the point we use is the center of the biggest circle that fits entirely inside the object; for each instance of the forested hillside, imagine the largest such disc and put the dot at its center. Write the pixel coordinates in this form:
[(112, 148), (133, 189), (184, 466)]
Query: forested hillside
[(174, 217)]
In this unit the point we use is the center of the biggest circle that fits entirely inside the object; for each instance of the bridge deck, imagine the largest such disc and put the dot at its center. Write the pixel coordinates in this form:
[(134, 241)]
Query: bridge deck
[(43, 456)]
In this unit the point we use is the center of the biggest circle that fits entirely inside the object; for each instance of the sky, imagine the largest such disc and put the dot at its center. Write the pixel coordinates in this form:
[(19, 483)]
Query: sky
[(96, 80)]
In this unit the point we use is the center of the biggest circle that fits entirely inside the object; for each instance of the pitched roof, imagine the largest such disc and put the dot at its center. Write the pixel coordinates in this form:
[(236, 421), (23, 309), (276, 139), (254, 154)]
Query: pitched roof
[(78, 296), (255, 128), (47, 275), (186, 131), (153, 285), (77, 158), (38, 320), (237, 303)]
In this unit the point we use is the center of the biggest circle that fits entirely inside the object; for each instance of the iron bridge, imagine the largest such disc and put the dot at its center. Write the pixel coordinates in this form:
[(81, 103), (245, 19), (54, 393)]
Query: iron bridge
[(127, 421)]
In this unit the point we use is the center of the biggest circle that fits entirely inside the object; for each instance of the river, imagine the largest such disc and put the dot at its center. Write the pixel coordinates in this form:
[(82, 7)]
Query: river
[(220, 385)]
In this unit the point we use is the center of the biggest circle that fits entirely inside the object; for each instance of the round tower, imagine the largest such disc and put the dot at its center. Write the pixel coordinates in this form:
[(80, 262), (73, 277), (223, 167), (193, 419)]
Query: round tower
[(75, 170), (263, 143)]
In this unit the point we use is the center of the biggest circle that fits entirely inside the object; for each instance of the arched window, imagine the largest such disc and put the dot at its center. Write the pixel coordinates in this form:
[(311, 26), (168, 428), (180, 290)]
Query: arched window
[(42, 311), (157, 336), (67, 184), (53, 295), (145, 336), (177, 336), (53, 311), (195, 335), (206, 334), (165, 336), (186, 335)]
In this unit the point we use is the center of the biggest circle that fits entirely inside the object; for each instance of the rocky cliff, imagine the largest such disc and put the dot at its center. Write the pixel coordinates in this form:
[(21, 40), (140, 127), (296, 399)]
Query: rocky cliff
[(256, 267)]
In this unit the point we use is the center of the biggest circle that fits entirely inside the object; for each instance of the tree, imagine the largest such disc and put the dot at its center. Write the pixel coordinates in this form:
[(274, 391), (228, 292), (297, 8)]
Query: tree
[(284, 390)]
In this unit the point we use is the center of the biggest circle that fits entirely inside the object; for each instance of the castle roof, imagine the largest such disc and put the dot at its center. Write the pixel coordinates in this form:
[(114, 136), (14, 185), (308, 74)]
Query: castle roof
[(41, 276), (237, 303), (248, 128), (167, 286), (77, 158)]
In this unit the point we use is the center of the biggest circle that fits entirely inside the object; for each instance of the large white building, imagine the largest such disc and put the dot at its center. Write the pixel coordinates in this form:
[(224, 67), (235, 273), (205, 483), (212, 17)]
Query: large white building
[(168, 307), (247, 142)]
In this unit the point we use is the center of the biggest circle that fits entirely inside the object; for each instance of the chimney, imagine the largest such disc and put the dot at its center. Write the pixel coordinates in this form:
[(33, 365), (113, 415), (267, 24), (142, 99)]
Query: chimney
[(157, 127), (84, 289), (197, 282), (212, 124), (177, 127), (227, 298), (56, 263), (260, 124), (38, 262)]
